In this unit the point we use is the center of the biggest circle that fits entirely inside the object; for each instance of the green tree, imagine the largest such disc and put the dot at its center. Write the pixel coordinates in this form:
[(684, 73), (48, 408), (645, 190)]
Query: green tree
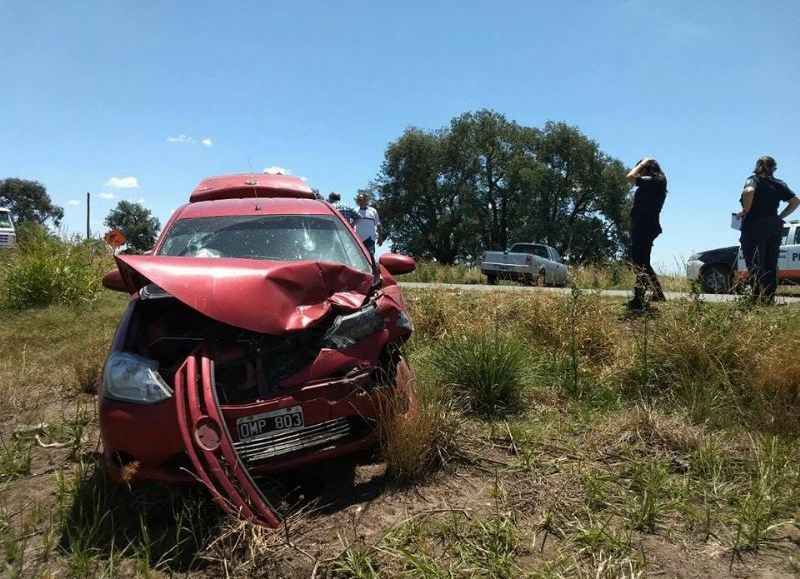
[(579, 201), (419, 198), (136, 223), (489, 153), (484, 182), (29, 201)]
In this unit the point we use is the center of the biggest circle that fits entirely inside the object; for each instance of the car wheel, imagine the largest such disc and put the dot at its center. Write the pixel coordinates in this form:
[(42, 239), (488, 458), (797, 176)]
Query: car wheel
[(715, 279), (491, 278)]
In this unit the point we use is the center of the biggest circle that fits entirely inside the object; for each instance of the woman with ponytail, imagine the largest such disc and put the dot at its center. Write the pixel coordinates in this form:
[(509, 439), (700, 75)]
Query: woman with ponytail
[(762, 226), (651, 191)]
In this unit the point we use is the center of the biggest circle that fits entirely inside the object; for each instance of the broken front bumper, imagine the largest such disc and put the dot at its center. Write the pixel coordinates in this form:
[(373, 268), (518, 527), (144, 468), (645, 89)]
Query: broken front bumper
[(201, 445)]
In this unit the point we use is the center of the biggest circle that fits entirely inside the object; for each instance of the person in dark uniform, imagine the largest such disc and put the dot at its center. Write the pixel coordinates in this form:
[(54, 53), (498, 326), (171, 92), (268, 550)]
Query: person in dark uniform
[(651, 191), (762, 226)]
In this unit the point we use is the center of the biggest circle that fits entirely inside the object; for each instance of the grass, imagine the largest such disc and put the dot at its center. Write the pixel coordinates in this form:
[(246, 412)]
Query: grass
[(45, 270), (487, 371), (415, 444), (556, 437)]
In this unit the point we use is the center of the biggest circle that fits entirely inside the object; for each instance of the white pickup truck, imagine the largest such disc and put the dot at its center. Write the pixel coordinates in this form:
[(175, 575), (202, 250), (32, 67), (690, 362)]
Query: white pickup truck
[(8, 237), (530, 263)]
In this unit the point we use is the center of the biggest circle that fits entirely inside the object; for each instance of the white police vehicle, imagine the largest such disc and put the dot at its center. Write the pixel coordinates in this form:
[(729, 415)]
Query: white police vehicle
[(718, 270)]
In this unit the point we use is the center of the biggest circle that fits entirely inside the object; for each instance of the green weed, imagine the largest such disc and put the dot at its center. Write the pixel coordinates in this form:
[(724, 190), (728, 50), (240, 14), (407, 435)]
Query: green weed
[(47, 270), (15, 457), (488, 371)]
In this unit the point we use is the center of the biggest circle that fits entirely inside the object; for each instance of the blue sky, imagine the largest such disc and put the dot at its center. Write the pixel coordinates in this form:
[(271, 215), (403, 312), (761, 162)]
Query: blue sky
[(96, 90)]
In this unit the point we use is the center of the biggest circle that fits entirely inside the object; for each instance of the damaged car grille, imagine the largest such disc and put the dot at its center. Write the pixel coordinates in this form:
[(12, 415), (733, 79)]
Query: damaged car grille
[(280, 443)]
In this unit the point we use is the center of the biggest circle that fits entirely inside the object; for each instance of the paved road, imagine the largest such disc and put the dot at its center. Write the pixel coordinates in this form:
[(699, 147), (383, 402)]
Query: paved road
[(610, 293)]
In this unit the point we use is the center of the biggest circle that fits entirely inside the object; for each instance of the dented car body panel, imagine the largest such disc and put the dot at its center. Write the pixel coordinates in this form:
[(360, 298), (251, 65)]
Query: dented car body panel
[(266, 297), (240, 355)]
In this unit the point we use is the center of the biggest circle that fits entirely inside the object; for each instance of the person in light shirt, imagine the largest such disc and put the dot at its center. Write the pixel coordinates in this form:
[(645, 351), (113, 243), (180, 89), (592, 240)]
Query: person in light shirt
[(368, 224)]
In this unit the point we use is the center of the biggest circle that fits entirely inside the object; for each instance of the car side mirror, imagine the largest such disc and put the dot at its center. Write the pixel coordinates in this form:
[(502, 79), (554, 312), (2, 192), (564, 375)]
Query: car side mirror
[(113, 281), (397, 264)]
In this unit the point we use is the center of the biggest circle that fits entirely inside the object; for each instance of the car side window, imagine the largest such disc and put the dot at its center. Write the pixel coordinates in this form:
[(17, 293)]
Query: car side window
[(785, 239), (797, 235)]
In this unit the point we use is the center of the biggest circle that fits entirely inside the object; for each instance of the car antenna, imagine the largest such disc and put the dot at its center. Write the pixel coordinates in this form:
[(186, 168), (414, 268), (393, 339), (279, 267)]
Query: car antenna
[(253, 182)]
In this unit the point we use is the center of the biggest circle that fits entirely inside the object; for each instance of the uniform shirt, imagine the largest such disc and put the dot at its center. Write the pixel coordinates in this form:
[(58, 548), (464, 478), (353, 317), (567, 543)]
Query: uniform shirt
[(647, 202), (367, 223), (769, 192)]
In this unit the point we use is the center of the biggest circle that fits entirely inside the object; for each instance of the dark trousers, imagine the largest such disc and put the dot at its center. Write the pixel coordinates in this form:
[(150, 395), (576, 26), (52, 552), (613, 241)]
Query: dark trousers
[(760, 247), (641, 248), (369, 243)]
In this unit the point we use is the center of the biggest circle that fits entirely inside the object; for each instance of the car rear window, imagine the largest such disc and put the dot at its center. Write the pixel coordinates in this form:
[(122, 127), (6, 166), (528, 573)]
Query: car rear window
[(537, 250), (275, 237)]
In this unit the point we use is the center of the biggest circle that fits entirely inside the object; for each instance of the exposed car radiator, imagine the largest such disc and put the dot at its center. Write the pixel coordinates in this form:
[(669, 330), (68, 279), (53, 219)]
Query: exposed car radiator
[(284, 442)]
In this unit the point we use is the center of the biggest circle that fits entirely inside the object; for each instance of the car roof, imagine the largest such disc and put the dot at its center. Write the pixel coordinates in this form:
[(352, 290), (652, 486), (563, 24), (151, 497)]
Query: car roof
[(245, 185), (254, 206)]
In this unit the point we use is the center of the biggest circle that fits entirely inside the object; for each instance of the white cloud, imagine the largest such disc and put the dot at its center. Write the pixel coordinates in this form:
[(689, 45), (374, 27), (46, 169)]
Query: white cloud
[(184, 139), (106, 196), (304, 179), (141, 201), (73, 202), (123, 182), (277, 171)]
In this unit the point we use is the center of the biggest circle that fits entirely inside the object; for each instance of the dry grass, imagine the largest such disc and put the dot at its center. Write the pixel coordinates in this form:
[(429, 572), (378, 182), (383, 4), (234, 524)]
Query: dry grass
[(640, 446), (415, 442), (87, 365)]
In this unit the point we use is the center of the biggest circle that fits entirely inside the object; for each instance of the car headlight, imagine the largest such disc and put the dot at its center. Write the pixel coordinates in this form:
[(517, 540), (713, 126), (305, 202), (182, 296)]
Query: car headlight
[(152, 292), (348, 329), (131, 378)]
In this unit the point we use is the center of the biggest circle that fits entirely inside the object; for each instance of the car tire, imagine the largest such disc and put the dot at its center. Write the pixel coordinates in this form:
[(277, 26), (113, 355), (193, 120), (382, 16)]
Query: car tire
[(491, 278), (716, 279)]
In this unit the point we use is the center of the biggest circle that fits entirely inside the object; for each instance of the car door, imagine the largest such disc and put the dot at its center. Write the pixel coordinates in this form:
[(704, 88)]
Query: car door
[(789, 260)]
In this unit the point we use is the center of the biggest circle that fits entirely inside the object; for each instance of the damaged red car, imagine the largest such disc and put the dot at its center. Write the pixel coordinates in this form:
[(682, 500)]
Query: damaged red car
[(260, 336)]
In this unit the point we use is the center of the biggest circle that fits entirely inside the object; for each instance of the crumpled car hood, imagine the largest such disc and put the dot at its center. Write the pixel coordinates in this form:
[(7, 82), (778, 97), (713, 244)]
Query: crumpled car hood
[(262, 296)]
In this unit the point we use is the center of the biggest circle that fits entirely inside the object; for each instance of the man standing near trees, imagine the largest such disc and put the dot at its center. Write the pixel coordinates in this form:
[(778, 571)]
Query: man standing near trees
[(368, 224)]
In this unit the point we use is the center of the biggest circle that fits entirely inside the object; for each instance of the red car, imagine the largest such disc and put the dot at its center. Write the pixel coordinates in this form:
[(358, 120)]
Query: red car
[(259, 336)]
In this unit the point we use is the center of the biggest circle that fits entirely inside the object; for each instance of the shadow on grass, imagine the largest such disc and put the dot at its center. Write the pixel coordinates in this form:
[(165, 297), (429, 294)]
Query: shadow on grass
[(168, 527), (326, 487), (157, 526)]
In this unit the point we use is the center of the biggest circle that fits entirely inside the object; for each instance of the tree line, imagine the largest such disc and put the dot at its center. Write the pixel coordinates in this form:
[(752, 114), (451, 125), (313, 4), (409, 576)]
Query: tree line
[(29, 202), (484, 182)]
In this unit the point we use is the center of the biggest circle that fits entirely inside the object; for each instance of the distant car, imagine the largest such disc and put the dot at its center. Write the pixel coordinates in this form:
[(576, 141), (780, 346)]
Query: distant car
[(719, 270), (8, 237), (260, 336), (530, 263)]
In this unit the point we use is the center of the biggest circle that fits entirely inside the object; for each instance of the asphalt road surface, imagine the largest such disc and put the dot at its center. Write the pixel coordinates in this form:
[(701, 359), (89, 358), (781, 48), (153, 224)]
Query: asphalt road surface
[(626, 294)]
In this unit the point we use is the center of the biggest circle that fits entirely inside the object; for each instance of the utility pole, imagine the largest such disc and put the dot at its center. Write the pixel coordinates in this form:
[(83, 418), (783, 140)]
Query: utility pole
[(88, 213)]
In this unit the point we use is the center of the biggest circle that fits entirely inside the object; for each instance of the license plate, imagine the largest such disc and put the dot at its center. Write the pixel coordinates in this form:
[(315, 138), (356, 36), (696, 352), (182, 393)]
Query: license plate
[(283, 420)]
